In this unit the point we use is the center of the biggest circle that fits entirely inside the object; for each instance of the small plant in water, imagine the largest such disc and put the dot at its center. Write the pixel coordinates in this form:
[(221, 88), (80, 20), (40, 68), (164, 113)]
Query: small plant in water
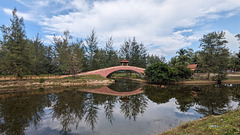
[(41, 89), (42, 80)]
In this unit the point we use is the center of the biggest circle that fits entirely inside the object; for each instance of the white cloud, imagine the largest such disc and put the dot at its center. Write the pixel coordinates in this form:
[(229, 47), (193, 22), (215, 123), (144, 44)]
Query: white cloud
[(26, 16), (153, 22), (233, 43)]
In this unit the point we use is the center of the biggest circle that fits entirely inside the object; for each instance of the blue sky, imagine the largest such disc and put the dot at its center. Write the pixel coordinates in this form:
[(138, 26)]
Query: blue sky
[(164, 26)]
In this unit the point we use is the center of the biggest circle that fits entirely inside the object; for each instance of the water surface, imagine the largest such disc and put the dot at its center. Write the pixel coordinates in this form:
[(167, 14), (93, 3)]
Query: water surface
[(124, 108)]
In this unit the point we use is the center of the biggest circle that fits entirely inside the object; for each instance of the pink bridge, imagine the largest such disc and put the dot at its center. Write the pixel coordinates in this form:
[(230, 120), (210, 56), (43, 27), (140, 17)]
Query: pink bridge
[(106, 71)]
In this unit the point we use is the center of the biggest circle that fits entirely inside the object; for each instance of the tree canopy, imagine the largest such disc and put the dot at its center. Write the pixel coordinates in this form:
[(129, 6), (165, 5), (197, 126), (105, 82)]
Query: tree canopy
[(15, 51), (214, 54)]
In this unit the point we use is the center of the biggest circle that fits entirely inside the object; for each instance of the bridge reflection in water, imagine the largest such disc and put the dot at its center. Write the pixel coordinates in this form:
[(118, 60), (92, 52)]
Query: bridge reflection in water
[(122, 88), (103, 90), (107, 91)]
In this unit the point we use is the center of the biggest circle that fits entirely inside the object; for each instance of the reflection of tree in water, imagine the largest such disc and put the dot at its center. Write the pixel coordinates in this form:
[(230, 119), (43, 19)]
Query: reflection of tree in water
[(236, 93), (125, 85), (161, 95), (72, 107), (184, 97), (136, 104), (17, 113), (213, 100), (69, 109), (91, 111), (108, 108), (158, 95)]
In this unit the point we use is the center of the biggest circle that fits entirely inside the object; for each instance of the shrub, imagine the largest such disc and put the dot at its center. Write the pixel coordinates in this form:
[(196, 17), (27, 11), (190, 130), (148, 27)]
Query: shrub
[(42, 80), (183, 72), (160, 72)]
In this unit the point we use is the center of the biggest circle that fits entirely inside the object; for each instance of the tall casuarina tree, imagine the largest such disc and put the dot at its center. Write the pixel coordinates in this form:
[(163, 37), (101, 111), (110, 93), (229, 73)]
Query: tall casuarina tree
[(15, 53)]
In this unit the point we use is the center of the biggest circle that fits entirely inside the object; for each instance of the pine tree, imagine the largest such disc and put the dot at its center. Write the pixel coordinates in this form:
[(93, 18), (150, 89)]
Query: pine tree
[(91, 47), (134, 52), (77, 55), (15, 53), (154, 59), (38, 54), (50, 65), (112, 58), (214, 54), (62, 52)]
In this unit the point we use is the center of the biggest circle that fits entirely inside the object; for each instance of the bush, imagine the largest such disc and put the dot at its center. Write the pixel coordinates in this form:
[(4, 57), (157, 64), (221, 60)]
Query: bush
[(183, 72), (42, 80), (160, 72), (221, 76)]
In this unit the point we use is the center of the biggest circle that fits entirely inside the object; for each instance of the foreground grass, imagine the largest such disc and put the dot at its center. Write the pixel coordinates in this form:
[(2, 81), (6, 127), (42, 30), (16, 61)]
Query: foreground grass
[(226, 124)]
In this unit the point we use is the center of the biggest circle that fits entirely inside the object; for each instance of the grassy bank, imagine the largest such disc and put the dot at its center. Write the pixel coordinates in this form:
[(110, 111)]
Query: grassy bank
[(226, 124), (67, 81), (125, 75)]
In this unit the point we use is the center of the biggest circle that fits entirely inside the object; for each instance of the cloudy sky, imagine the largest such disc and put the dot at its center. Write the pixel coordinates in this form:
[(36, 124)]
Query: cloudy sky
[(164, 26)]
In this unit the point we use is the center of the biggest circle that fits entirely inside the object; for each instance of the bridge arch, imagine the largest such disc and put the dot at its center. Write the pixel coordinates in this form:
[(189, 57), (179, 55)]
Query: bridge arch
[(106, 71), (119, 71)]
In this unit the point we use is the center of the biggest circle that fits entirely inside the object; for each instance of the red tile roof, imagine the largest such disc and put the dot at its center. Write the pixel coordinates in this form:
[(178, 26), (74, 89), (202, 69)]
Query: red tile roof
[(124, 61), (192, 66)]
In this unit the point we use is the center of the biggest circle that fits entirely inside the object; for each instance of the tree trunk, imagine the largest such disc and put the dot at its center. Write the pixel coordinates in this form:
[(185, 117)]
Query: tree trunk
[(208, 75)]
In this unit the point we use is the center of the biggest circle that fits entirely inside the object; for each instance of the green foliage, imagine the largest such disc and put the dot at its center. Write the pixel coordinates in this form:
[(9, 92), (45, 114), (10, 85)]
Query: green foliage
[(183, 72), (134, 52), (38, 57), (214, 54), (87, 77), (112, 58), (50, 65), (154, 59), (42, 80), (184, 57), (160, 72), (14, 51), (68, 56), (221, 76), (225, 124), (238, 36), (91, 48)]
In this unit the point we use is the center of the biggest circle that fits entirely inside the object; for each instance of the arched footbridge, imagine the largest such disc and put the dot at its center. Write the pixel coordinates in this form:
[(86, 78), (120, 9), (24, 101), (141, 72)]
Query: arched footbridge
[(106, 71)]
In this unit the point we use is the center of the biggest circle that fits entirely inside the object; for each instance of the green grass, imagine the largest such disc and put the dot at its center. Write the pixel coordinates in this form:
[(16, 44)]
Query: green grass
[(226, 124), (41, 75), (134, 75), (233, 78), (56, 81), (78, 79), (86, 77)]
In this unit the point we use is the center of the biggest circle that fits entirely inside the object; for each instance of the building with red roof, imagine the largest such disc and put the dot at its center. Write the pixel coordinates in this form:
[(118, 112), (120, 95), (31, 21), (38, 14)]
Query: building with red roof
[(193, 67)]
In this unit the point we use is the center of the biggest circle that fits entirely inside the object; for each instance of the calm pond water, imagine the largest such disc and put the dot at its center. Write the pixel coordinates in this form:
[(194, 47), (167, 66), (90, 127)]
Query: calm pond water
[(123, 108)]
